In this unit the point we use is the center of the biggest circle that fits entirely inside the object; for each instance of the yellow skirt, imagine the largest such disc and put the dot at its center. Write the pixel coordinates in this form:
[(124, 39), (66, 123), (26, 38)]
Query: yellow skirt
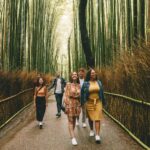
[(94, 109)]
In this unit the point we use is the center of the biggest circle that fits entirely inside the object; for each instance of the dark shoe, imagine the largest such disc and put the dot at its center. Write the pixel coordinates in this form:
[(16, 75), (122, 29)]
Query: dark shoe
[(59, 115), (41, 126), (98, 142)]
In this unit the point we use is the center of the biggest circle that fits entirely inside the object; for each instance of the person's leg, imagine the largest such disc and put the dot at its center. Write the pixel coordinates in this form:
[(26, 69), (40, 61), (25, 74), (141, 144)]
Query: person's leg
[(60, 103), (71, 125), (71, 128), (91, 127), (83, 116), (74, 122), (77, 120), (57, 102), (37, 113), (90, 123), (41, 115), (43, 108), (39, 110), (97, 127)]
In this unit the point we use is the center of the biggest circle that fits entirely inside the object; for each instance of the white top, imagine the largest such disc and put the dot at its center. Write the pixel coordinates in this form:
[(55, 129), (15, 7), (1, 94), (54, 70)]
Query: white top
[(81, 82), (58, 86)]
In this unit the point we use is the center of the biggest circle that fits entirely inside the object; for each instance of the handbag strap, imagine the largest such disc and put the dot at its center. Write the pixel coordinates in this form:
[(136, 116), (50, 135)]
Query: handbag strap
[(39, 90)]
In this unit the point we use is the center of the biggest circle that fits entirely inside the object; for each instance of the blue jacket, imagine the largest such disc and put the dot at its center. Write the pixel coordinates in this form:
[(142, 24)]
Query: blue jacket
[(85, 92)]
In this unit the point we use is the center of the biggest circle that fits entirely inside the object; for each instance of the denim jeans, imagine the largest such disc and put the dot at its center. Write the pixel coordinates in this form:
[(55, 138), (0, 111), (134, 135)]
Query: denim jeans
[(59, 101)]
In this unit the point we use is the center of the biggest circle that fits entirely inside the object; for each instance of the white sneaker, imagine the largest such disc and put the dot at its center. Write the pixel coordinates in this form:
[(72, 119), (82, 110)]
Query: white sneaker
[(92, 133), (98, 139), (74, 142), (40, 123), (84, 125), (77, 123)]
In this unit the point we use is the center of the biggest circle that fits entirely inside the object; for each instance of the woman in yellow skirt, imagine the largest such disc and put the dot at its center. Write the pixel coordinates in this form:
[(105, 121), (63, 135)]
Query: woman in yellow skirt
[(93, 97)]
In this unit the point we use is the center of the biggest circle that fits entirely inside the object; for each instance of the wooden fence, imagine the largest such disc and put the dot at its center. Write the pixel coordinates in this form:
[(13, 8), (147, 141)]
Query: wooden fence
[(131, 113), (11, 105)]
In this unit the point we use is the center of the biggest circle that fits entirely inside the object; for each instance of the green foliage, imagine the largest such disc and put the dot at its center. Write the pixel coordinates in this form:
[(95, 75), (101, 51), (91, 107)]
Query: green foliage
[(113, 26), (27, 34)]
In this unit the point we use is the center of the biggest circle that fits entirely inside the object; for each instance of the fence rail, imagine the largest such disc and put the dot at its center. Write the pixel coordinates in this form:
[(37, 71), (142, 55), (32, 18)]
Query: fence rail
[(11, 105), (131, 113), (128, 98)]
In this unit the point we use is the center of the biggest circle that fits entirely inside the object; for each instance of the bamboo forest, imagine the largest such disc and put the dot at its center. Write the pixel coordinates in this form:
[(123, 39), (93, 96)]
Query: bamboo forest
[(51, 37)]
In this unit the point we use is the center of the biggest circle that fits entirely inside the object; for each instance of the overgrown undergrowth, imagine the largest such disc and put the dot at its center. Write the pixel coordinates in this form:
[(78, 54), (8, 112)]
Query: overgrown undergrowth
[(14, 82), (130, 75)]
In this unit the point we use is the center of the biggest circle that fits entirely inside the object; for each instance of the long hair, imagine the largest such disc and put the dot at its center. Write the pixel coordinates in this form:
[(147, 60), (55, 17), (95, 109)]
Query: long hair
[(88, 75), (71, 80), (38, 84)]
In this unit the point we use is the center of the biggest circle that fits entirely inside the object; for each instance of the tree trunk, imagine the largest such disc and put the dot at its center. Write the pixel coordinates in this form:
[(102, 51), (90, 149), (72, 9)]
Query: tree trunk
[(135, 23), (84, 34), (143, 20)]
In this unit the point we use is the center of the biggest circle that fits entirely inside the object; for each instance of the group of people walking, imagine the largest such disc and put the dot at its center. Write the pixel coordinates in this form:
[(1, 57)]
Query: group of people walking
[(83, 93)]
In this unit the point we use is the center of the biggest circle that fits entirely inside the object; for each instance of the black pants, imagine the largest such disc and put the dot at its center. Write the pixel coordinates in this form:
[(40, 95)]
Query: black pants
[(40, 108), (59, 102)]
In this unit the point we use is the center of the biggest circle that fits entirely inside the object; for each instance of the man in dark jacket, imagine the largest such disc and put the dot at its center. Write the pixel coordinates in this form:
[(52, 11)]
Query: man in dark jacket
[(58, 83)]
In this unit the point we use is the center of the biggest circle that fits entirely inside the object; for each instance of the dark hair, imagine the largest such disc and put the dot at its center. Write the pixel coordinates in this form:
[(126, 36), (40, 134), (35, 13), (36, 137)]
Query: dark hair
[(70, 78), (43, 81), (88, 75)]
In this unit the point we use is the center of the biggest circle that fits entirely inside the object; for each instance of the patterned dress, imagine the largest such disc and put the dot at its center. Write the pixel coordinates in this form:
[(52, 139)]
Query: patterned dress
[(72, 100)]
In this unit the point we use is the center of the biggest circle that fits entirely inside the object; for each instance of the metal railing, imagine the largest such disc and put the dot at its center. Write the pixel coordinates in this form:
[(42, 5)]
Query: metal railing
[(133, 115), (12, 105)]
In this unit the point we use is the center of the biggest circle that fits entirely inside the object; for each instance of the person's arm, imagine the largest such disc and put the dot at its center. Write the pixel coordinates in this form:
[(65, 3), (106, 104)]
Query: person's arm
[(66, 94), (102, 94), (82, 94), (46, 95), (52, 85), (64, 82), (34, 98)]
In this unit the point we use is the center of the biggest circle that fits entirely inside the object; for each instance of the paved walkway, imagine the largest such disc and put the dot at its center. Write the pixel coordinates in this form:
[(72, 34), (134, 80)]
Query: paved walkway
[(55, 135)]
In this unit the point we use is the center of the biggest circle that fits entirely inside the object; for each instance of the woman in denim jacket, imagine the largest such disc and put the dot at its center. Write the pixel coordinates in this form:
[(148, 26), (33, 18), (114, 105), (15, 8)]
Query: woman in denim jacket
[(93, 97)]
